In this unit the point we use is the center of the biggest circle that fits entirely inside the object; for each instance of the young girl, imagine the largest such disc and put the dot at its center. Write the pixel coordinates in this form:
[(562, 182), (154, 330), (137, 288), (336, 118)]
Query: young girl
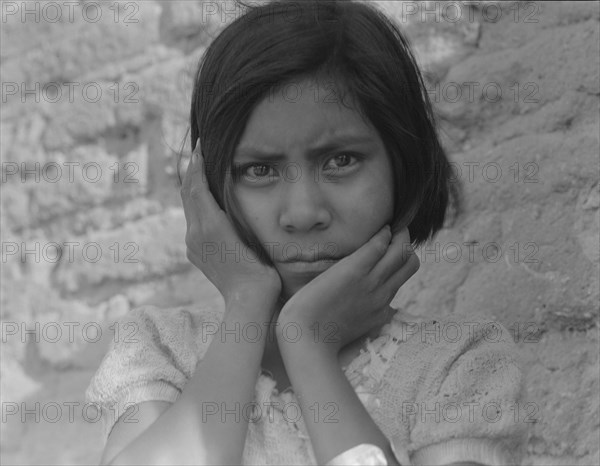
[(315, 166)]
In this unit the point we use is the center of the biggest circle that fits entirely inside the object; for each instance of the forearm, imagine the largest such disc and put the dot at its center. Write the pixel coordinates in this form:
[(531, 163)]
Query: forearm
[(196, 428), (318, 380)]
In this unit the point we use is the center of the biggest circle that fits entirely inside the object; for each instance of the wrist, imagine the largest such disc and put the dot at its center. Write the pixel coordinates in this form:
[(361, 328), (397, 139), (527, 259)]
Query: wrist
[(314, 338), (247, 309), (251, 296), (363, 454), (305, 353)]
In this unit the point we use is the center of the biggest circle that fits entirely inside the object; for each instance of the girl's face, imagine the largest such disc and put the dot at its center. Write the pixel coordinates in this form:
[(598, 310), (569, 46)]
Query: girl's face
[(313, 181)]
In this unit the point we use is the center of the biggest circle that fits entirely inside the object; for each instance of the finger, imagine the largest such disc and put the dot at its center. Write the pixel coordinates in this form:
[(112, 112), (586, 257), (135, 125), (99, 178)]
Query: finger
[(367, 256), (186, 176), (187, 183), (195, 193), (195, 169), (384, 314), (402, 275), (199, 165), (396, 256)]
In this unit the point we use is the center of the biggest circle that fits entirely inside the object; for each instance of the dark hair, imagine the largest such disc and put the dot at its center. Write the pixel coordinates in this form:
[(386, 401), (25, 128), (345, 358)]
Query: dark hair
[(366, 55)]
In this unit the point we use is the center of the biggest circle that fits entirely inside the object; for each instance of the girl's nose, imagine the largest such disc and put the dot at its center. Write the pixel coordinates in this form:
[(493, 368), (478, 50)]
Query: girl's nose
[(303, 206)]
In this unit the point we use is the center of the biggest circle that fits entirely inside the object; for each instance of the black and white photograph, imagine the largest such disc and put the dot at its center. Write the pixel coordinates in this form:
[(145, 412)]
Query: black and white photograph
[(310, 232)]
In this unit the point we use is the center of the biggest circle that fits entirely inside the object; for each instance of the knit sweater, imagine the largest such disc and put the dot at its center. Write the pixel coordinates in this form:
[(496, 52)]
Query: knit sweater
[(440, 390)]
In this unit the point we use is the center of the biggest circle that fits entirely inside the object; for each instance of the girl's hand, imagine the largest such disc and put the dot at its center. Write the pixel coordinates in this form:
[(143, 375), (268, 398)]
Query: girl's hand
[(210, 235), (352, 297)]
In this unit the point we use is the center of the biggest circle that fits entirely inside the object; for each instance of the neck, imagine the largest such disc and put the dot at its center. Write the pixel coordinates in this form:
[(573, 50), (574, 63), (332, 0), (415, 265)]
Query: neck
[(272, 348)]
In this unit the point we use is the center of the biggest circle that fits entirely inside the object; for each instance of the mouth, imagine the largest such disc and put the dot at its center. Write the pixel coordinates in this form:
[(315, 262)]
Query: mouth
[(308, 266), (312, 258)]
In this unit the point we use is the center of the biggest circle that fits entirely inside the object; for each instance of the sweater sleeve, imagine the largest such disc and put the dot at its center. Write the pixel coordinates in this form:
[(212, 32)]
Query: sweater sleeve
[(153, 354), (465, 402)]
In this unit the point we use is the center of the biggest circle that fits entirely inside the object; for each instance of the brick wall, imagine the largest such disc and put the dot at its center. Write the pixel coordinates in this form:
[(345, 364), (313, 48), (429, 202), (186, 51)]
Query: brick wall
[(95, 101)]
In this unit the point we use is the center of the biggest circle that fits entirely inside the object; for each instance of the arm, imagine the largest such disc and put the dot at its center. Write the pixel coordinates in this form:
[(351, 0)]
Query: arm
[(353, 296), (318, 380), (186, 433), (226, 376), (334, 428)]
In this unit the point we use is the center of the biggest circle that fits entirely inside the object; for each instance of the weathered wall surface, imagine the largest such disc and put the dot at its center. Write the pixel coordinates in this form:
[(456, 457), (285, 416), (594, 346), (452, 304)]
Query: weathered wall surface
[(95, 102)]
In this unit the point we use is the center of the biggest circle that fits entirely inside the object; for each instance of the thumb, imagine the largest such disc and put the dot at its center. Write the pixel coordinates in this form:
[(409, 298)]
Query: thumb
[(367, 256)]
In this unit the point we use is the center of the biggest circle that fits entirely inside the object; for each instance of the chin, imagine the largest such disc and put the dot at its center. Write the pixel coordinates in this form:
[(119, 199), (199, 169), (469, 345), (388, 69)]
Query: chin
[(291, 285)]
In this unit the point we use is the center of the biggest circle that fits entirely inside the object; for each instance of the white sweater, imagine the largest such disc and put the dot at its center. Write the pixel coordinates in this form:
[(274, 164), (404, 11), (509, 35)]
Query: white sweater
[(441, 391)]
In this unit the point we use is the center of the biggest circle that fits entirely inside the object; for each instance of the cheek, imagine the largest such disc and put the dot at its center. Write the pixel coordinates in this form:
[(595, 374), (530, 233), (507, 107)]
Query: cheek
[(254, 209), (376, 199), (377, 207), (388, 199)]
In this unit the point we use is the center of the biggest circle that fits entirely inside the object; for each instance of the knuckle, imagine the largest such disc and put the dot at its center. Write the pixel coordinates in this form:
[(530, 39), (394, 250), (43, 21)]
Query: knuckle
[(414, 264), (381, 246), (378, 282), (183, 191), (193, 257), (405, 235), (355, 278), (191, 239), (190, 255), (374, 284), (188, 242), (381, 300), (356, 274), (195, 193)]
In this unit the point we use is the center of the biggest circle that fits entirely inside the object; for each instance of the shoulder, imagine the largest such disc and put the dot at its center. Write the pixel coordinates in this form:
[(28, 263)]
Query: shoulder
[(149, 334), (439, 345), (456, 382), (465, 355), (179, 333), (152, 355)]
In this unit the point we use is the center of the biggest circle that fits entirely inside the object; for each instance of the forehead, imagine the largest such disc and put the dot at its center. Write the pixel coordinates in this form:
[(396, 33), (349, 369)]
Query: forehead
[(302, 114)]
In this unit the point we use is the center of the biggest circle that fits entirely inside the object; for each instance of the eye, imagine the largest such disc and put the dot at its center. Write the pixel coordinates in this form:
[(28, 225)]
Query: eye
[(254, 172), (257, 171), (340, 162)]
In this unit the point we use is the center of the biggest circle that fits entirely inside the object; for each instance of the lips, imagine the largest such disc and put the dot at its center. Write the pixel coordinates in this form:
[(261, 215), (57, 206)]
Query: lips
[(311, 266), (312, 258), (310, 255)]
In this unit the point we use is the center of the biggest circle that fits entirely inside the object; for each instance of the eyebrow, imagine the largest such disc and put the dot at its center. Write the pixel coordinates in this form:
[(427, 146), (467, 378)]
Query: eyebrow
[(333, 144)]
